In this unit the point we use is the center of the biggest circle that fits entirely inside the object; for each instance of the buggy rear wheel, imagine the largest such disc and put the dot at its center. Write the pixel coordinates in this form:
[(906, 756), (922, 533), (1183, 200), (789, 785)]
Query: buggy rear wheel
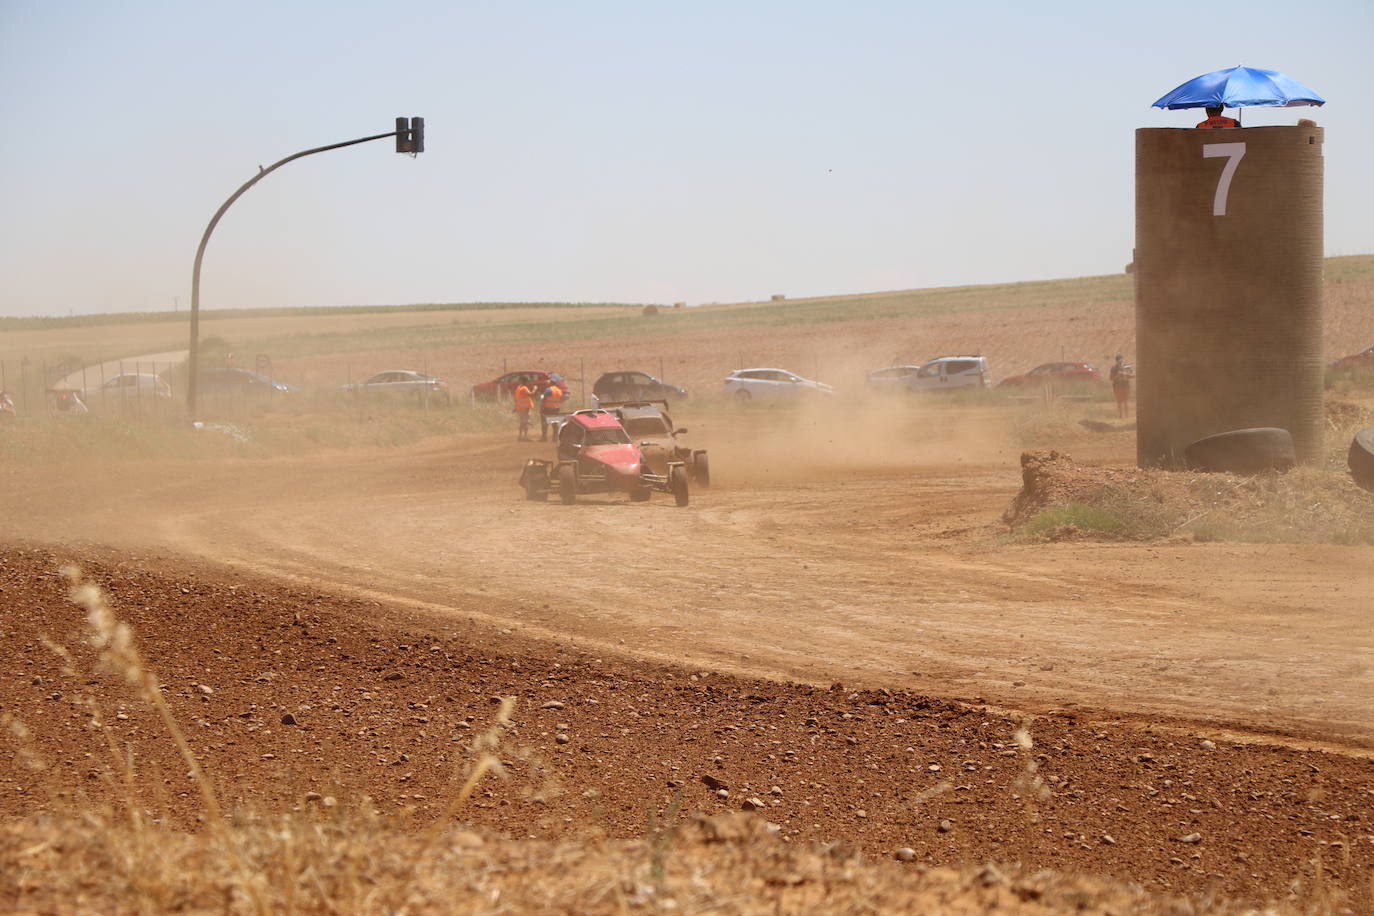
[(567, 484), (701, 470), (639, 495), (677, 480)]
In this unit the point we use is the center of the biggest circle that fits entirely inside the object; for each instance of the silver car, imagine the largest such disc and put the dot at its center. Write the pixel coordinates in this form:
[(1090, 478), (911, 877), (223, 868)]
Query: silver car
[(126, 390), (403, 384), (746, 385), (945, 373)]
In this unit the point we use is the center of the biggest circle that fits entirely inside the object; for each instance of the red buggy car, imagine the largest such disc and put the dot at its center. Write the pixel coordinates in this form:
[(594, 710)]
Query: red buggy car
[(594, 454)]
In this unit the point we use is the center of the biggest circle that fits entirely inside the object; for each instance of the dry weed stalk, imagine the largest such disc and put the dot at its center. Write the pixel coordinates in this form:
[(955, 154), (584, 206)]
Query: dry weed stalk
[(484, 745), (115, 641)]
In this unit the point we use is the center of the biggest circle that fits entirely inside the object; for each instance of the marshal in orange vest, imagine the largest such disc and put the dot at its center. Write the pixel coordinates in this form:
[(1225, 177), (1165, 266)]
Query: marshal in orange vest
[(1218, 121)]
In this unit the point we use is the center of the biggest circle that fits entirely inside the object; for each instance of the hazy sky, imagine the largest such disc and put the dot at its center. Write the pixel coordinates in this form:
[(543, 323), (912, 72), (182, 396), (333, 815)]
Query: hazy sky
[(616, 151)]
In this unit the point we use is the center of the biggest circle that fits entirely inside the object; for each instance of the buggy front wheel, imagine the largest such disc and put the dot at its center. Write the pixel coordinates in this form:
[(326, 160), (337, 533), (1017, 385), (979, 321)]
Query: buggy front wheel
[(567, 484), (677, 481)]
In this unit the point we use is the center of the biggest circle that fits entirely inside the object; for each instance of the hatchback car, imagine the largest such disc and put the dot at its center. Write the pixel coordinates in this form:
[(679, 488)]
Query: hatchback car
[(404, 384), (503, 387), (944, 373), (126, 388), (746, 385), (1057, 375), (238, 384), (635, 386)]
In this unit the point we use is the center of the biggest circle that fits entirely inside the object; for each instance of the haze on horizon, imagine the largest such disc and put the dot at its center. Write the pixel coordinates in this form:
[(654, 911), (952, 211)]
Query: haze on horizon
[(613, 151)]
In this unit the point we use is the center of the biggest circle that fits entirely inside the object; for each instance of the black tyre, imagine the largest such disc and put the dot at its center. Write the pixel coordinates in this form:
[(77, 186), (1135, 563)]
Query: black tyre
[(537, 484), (639, 495), (567, 484), (677, 480), (743, 397), (1362, 458), (701, 470), (1243, 451)]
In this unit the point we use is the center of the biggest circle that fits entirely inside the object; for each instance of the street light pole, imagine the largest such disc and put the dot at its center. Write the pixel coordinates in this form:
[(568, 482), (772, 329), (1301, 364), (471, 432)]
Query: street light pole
[(410, 138)]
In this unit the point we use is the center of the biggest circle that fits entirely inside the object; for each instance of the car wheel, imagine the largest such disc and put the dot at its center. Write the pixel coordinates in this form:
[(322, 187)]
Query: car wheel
[(1362, 458), (743, 397), (701, 469), (537, 484), (1242, 451), (567, 484), (677, 479), (639, 495)]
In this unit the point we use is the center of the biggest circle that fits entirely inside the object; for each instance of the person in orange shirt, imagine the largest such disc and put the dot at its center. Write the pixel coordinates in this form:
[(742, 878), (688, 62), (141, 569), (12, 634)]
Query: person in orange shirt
[(550, 405), (524, 403), (1215, 120)]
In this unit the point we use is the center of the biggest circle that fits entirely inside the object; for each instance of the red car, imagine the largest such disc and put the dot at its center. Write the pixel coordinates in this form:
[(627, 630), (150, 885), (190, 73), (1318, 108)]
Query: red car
[(1059, 375), (595, 455), (504, 386), (1362, 360)]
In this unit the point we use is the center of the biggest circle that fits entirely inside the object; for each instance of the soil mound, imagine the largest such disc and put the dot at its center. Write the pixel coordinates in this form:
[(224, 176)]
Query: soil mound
[(1050, 478), (1305, 505)]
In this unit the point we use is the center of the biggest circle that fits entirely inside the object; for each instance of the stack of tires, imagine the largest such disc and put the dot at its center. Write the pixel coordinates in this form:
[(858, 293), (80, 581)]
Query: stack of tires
[(1362, 458)]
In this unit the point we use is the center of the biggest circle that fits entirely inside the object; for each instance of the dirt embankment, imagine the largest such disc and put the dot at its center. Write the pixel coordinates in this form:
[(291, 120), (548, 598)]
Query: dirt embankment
[(285, 692), (1306, 505)]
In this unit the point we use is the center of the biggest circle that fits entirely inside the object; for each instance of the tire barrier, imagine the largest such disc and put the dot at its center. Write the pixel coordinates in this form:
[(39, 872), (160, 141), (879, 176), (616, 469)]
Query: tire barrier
[(1242, 451)]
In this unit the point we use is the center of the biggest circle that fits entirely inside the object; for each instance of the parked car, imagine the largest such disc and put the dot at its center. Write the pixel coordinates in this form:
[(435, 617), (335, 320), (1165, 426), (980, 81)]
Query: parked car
[(594, 454), (239, 384), (746, 385), (635, 386), (650, 427), (404, 384), (1362, 360), (1055, 375), (944, 373), (504, 386), (126, 388)]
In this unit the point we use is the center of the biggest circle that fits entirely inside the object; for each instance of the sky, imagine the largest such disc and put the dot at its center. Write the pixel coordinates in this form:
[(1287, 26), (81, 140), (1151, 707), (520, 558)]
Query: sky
[(615, 151)]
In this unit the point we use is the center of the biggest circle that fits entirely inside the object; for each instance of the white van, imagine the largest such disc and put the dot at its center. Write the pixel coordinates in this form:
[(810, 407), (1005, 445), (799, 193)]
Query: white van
[(945, 373)]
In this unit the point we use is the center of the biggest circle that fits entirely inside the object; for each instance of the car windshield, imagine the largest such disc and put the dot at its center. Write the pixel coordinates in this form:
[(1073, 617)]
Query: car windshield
[(608, 435), (646, 426)]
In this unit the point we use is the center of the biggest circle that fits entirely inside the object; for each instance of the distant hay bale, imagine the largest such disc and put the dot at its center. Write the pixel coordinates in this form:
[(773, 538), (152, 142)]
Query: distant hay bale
[(679, 305), (650, 311), (777, 297)]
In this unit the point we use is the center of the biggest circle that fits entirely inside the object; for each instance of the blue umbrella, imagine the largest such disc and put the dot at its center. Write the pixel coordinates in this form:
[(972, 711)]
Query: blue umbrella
[(1240, 87)]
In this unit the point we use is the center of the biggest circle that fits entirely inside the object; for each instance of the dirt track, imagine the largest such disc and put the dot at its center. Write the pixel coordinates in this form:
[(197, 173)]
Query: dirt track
[(819, 556)]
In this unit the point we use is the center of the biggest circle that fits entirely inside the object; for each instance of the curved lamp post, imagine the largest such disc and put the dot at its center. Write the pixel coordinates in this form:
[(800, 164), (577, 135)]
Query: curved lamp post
[(410, 138)]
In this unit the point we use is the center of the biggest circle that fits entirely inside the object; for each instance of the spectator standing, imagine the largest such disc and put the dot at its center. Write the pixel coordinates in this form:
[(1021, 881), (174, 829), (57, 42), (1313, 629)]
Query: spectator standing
[(524, 402), (550, 406), (1121, 385)]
